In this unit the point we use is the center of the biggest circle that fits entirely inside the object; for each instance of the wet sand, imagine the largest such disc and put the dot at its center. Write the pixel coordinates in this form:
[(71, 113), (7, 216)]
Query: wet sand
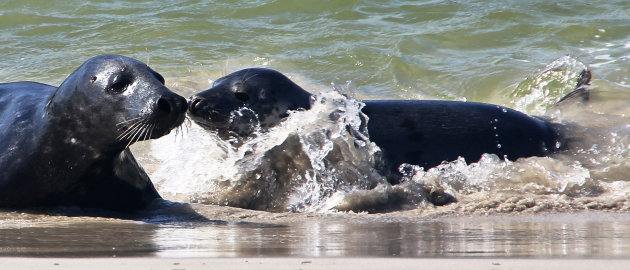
[(238, 233), (246, 239)]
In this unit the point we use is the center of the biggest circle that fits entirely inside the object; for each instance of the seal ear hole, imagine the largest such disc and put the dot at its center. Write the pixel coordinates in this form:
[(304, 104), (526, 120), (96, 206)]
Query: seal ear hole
[(243, 97), (262, 94)]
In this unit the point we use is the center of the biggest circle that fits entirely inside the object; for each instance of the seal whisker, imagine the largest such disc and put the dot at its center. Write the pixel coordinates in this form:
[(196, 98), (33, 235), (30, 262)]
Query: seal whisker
[(132, 128), (181, 131), (129, 135), (129, 120), (216, 113), (145, 131), (141, 135), (133, 123), (127, 132), (245, 80), (178, 132), (149, 127), (136, 135), (187, 124), (244, 75), (151, 132)]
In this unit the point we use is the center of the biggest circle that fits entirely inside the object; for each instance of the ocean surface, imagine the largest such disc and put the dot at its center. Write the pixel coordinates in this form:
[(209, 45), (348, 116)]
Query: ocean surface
[(525, 55)]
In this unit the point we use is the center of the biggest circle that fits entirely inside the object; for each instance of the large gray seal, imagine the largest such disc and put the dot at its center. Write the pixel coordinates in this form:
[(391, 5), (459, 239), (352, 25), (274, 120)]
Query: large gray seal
[(68, 145), (419, 132)]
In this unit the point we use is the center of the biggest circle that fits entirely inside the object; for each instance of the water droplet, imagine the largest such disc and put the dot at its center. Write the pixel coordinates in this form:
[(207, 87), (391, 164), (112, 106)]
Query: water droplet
[(499, 146)]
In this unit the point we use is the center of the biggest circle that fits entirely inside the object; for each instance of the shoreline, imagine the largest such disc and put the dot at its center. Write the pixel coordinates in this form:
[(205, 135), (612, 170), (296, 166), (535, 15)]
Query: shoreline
[(234, 215), (306, 263)]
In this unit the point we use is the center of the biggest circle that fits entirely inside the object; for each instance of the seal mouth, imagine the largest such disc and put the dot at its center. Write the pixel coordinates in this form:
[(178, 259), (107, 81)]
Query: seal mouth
[(238, 124), (212, 119), (137, 129), (209, 112), (211, 126), (169, 112), (145, 128)]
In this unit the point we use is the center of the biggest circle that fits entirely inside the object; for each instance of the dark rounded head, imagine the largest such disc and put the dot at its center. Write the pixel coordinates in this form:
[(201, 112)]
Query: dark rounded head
[(124, 99), (242, 101)]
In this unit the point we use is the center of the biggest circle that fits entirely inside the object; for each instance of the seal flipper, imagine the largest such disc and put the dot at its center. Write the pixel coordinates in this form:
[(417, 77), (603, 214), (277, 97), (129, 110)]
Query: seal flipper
[(563, 131), (581, 90), (115, 183)]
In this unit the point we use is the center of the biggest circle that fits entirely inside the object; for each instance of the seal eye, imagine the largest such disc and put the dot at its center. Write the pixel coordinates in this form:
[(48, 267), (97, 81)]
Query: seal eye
[(93, 79), (121, 83), (243, 97)]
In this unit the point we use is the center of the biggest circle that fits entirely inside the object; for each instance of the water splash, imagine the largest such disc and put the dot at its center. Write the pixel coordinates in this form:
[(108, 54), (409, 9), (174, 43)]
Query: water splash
[(536, 94), (298, 165)]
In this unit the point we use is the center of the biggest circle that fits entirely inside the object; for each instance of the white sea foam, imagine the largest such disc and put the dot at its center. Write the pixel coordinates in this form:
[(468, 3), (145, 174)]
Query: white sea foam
[(297, 165)]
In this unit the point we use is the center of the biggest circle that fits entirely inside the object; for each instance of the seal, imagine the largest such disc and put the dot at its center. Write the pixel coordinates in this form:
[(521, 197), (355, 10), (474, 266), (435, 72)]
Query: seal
[(419, 132), (68, 145), (239, 102)]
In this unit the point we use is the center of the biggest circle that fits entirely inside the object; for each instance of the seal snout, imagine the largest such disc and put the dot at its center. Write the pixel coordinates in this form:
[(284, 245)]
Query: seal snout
[(172, 103)]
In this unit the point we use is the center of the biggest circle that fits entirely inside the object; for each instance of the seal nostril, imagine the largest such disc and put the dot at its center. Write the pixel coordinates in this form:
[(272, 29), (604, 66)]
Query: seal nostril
[(164, 105), (193, 105)]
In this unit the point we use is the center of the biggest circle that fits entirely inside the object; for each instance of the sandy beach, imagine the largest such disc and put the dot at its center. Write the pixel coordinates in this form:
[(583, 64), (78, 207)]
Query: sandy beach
[(305, 263)]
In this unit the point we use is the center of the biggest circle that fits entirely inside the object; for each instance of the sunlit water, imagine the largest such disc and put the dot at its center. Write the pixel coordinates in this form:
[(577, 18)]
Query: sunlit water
[(510, 53)]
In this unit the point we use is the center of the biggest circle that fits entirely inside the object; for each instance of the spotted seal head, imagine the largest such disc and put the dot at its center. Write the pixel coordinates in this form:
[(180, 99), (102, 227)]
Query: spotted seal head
[(120, 98), (241, 102)]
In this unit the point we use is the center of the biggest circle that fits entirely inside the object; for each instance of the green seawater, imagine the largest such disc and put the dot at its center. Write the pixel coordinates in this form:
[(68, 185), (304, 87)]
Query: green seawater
[(473, 50), (478, 50)]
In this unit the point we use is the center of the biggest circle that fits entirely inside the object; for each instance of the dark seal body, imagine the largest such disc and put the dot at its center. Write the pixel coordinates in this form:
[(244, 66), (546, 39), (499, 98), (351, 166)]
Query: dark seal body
[(419, 132), (68, 145), (428, 132)]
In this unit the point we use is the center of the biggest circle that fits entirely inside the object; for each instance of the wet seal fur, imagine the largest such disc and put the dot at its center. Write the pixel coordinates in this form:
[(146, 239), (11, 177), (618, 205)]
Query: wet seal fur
[(68, 145), (419, 132)]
